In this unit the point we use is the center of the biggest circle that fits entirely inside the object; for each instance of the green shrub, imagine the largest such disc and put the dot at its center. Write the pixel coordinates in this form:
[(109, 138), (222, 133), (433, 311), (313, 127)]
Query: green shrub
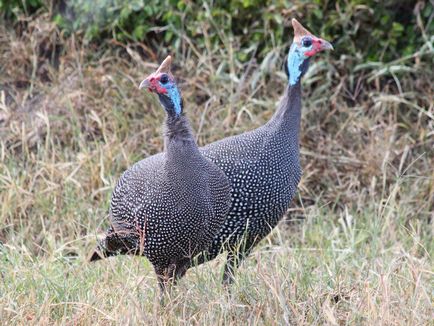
[(11, 8), (370, 29)]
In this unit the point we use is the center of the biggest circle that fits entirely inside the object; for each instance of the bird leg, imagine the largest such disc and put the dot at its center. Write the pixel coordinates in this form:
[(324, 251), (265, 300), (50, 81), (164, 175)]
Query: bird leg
[(163, 282), (181, 268), (233, 261), (228, 274), (167, 277)]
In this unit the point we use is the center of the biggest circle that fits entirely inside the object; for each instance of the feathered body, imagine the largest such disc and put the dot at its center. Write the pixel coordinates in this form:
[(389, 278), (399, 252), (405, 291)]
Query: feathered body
[(169, 206), (264, 170), (263, 165), (174, 202)]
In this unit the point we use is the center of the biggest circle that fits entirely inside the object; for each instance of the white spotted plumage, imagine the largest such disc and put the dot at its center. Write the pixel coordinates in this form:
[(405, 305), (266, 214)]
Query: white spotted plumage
[(169, 206)]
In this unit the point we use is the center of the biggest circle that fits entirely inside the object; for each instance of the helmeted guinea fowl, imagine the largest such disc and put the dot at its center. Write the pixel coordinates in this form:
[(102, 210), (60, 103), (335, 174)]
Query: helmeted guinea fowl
[(263, 165), (169, 206)]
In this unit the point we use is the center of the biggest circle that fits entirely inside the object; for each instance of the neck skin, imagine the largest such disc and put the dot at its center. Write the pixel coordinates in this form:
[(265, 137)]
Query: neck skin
[(177, 129), (181, 152), (287, 118), (179, 142)]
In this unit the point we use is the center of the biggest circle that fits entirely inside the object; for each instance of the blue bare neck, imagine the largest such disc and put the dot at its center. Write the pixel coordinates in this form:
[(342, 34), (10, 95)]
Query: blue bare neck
[(297, 64)]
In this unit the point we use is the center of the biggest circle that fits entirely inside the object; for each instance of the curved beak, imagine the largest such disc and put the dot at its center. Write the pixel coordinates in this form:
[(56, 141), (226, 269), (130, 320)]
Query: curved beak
[(145, 84), (324, 45)]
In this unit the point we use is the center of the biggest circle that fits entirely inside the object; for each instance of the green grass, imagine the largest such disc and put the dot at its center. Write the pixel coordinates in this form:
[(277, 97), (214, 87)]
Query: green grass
[(356, 247), (350, 268)]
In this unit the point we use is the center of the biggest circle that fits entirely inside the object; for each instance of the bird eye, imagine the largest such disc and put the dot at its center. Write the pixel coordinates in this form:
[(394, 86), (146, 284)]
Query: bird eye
[(307, 42), (164, 79)]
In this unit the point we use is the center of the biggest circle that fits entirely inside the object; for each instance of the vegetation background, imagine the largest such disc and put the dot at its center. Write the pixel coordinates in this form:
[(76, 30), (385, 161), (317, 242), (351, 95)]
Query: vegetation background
[(357, 244)]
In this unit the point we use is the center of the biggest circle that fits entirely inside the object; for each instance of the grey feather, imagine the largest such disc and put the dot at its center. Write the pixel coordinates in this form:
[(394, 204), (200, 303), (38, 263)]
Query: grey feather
[(169, 206)]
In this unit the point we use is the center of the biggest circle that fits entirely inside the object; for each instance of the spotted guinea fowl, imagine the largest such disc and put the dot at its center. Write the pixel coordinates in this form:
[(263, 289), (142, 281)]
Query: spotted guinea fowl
[(169, 206), (263, 165)]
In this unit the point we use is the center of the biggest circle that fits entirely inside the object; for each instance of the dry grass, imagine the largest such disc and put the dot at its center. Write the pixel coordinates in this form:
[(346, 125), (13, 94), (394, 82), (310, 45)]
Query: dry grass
[(357, 250)]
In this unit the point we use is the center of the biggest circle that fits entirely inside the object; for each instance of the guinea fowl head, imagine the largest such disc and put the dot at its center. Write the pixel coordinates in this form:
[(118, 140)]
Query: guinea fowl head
[(304, 46), (164, 85)]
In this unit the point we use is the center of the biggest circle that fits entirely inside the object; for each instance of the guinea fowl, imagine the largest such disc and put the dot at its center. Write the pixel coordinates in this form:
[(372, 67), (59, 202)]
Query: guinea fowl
[(169, 206), (263, 165)]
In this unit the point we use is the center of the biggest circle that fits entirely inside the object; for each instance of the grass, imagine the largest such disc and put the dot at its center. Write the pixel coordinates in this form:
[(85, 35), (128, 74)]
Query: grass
[(356, 247), (347, 269)]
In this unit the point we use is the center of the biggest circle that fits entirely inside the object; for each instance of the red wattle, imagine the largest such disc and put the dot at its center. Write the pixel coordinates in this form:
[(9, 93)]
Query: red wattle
[(160, 89), (157, 87), (316, 46)]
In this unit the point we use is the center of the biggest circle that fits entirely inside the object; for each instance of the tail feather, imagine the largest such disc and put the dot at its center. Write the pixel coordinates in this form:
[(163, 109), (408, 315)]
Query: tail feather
[(100, 251), (96, 255), (112, 245)]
